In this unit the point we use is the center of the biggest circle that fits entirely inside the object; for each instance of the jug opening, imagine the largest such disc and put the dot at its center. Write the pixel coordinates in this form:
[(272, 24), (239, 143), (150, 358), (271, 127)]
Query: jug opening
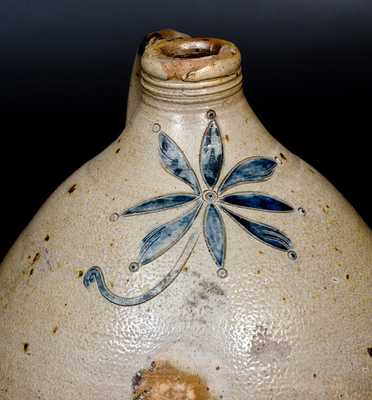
[(190, 59), (191, 48)]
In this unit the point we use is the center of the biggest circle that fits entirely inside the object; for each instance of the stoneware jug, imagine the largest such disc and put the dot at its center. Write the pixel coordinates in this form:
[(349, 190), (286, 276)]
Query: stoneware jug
[(195, 258)]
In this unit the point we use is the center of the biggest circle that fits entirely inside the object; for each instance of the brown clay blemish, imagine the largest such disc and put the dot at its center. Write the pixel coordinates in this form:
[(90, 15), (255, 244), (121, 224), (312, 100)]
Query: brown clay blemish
[(72, 188), (227, 138), (26, 346), (314, 375), (80, 273), (55, 329), (117, 150), (369, 350), (36, 258), (47, 237), (31, 271), (347, 276), (283, 156), (163, 381)]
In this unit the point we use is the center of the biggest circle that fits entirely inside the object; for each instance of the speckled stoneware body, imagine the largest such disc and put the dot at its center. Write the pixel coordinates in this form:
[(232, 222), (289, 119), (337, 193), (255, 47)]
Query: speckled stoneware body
[(195, 258)]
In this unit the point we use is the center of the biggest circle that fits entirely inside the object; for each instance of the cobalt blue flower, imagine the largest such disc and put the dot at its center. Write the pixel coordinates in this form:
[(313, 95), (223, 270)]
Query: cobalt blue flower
[(212, 197)]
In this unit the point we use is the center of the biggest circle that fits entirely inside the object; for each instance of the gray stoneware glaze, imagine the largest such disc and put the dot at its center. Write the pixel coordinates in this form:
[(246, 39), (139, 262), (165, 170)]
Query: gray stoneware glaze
[(195, 258)]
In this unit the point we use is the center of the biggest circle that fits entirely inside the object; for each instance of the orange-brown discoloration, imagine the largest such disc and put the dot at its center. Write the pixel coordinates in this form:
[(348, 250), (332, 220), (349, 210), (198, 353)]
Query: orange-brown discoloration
[(163, 381)]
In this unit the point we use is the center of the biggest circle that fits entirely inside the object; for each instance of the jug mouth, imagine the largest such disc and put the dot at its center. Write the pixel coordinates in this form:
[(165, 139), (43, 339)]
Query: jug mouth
[(191, 59), (190, 70)]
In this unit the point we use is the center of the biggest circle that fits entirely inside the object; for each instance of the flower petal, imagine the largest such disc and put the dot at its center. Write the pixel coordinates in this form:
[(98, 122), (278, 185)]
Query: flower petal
[(162, 238), (214, 233), (257, 201), (160, 203), (265, 233), (211, 155), (254, 169), (175, 162)]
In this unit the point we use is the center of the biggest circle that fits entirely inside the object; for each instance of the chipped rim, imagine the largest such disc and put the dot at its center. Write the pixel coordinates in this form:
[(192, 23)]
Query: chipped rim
[(191, 59), (152, 37)]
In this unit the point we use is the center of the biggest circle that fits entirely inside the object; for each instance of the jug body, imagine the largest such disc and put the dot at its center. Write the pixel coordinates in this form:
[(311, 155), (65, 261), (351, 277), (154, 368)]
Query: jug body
[(194, 258)]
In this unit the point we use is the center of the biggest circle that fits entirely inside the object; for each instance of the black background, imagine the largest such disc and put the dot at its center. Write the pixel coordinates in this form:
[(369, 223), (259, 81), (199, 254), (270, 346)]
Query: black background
[(64, 74)]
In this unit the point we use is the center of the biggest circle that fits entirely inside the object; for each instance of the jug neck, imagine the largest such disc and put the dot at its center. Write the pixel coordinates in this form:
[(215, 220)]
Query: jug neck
[(163, 94)]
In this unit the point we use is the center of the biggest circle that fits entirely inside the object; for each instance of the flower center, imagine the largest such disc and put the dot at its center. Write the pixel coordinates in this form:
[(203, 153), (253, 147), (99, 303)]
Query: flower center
[(210, 196)]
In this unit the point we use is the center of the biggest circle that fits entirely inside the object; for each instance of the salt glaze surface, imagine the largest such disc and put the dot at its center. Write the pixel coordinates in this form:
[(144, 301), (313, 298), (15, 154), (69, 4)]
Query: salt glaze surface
[(208, 290)]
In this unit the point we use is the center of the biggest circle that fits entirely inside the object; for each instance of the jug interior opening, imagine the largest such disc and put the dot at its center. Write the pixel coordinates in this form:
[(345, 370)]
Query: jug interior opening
[(191, 48)]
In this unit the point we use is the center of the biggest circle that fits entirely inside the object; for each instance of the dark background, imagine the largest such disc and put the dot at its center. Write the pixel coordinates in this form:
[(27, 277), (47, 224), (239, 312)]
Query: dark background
[(64, 74)]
